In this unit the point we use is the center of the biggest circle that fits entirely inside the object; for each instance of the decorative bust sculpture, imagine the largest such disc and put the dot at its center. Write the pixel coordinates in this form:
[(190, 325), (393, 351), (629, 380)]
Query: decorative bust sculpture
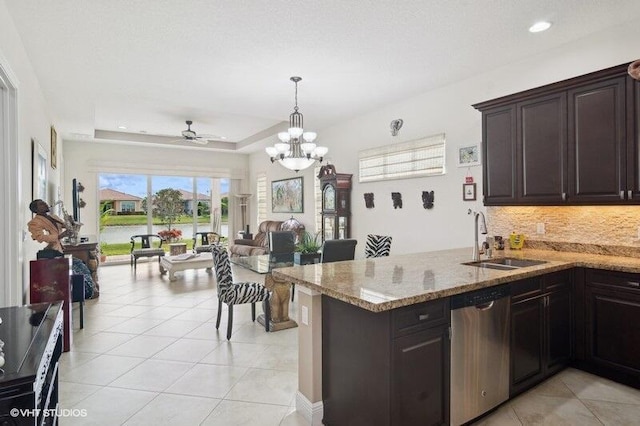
[(634, 70)]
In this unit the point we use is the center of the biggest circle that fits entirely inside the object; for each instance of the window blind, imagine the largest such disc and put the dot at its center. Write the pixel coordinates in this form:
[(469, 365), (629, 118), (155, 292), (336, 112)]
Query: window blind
[(261, 199), (417, 158)]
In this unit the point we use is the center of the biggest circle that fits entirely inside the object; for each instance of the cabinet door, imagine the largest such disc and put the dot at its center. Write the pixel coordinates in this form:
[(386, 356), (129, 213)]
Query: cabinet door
[(420, 384), (559, 325), (597, 142), (542, 150), (499, 155), (633, 143), (613, 329), (527, 332)]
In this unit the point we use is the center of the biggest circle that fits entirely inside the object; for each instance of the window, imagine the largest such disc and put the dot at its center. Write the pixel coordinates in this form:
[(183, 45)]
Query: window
[(128, 206), (261, 199), (421, 157)]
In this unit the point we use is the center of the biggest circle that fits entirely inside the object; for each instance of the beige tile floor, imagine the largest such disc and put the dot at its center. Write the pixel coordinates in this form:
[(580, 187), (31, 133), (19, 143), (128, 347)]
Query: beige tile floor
[(150, 355)]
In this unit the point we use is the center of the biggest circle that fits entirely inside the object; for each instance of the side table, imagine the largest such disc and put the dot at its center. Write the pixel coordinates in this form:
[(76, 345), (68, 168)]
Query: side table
[(177, 248)]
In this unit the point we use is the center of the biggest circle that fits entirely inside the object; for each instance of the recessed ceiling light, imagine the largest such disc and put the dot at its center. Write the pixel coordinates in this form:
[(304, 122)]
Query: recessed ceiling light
[(223, 137), (122, 127), (539, 27)]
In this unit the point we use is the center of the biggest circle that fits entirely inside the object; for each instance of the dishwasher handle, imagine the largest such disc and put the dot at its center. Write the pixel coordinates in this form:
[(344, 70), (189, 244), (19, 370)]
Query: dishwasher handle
[(485, 306)]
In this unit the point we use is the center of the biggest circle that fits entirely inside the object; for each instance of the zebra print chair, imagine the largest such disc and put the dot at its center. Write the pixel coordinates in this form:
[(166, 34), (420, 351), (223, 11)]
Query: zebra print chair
[(377, 246), (236, 293)]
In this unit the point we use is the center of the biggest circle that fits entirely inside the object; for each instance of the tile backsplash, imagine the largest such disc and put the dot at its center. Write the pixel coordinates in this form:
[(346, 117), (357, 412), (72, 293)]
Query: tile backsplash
[(600, 225)]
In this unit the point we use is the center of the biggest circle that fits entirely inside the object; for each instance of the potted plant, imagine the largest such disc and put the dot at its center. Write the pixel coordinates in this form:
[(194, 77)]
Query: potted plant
[(103, 252), (171, 235), (307, 249)]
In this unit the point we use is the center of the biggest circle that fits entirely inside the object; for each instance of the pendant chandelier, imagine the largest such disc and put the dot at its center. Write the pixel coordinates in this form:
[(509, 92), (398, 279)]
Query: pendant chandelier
[(296, 149)]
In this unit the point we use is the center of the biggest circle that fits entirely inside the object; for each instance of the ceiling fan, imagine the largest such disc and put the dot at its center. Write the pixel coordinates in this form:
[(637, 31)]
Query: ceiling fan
[(192, 136)]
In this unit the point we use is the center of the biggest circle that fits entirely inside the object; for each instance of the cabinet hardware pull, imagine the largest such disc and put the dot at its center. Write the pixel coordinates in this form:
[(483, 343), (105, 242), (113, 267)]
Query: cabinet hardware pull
[(423, 317), (629, 194), (633, 283), (564, 196), (485, 306), (622, 195)]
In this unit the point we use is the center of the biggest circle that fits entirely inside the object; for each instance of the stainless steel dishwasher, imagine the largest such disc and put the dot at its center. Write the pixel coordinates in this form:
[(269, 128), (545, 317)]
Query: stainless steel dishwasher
[(479, 352)]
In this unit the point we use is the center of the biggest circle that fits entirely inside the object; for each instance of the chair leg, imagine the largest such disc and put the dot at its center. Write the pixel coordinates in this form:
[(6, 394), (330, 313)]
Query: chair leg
[(253, 312), (293, 291), (81, 308), (219, 313), (267, 314), (230, 325)]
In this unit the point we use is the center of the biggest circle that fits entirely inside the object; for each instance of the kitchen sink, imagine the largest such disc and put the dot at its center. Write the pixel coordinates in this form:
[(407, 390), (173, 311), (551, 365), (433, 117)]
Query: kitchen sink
[(505, 263)]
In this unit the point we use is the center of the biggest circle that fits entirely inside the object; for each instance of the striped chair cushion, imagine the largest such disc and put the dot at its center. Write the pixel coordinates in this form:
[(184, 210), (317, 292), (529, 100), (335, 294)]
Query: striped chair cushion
[(377, 246), (228, 291)]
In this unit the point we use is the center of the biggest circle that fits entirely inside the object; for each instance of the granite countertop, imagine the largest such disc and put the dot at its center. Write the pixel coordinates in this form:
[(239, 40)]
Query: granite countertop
[(385, 283)]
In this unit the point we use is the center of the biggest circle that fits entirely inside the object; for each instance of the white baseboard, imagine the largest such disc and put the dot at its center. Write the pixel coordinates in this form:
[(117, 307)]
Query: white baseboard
[(311, 411)]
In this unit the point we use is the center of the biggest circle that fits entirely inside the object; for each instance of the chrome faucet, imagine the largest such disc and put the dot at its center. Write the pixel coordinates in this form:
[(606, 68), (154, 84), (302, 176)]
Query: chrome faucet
[(478, 250)]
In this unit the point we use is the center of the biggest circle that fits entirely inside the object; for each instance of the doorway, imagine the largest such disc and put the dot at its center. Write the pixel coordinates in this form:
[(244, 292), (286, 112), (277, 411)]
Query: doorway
[(12, 293)]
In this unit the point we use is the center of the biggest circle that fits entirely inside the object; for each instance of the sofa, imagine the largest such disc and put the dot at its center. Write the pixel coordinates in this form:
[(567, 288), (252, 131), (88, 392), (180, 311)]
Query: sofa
[(260, 242)]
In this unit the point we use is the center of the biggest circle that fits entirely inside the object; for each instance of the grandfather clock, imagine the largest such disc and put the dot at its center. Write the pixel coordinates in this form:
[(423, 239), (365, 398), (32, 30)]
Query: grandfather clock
[(336, 203)]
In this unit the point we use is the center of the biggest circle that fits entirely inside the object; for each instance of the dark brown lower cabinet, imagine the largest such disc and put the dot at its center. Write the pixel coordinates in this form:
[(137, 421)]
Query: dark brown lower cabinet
[(612, 325), (386, 368), (417, 384), (541, 329)]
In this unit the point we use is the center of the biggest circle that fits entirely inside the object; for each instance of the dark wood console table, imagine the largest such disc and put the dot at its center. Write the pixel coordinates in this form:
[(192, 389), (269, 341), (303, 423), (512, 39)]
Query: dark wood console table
[(32, 337), (50, 281), (88, 253)]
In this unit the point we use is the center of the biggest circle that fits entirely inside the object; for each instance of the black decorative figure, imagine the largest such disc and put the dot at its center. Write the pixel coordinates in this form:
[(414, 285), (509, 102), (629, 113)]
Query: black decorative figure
[(427, 199), (397, 200), (368, 200)]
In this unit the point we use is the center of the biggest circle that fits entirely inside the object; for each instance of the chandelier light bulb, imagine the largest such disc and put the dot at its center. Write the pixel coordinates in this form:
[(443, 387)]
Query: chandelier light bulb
[(309, 136), (282, 147), (321, 151), (271, 151), (307, 147), (284, 136), (295, 132)]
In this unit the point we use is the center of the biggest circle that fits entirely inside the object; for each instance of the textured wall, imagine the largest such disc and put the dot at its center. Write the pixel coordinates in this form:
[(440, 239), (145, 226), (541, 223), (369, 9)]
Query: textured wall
[(602, 225)]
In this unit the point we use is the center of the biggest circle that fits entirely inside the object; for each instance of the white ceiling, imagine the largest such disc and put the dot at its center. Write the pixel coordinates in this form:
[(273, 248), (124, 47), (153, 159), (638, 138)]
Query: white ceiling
[(150, 65)]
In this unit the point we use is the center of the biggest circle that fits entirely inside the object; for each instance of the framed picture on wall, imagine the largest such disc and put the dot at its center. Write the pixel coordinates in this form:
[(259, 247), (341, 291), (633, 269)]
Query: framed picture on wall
[(39, 171), (468, 191), (54, 148), (287, 196), (469, 155)]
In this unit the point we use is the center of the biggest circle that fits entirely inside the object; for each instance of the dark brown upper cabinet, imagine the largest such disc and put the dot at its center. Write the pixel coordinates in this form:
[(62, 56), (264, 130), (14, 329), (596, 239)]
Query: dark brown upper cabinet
[(542, 149), (575, 142), (499, 170)]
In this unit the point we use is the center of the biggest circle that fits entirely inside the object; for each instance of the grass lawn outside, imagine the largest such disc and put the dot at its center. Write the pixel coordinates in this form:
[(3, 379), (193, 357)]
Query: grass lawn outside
[(118, 220), (125, 248)]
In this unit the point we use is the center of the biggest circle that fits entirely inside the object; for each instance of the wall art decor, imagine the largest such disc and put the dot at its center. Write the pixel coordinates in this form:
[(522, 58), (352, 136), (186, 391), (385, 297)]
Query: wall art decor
[(287, 196), (469, 156), (39, 171), (54, 148), (397, 200), (468, 191), (368, 200), (395, 126), (427, 199)]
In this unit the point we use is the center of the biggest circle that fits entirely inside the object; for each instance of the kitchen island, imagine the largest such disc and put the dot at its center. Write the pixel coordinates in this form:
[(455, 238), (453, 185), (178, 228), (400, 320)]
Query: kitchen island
[(382, 294)]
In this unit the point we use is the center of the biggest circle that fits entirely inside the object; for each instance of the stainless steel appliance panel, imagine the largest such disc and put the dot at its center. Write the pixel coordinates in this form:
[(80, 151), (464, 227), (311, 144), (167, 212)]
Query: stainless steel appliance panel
[(479, 358)]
